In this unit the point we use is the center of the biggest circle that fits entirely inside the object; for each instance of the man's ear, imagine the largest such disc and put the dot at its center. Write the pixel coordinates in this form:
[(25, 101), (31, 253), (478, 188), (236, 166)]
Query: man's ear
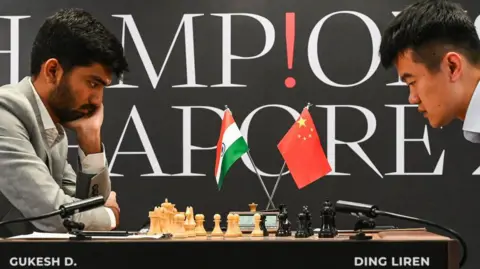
[(52, 71), (453, 61)]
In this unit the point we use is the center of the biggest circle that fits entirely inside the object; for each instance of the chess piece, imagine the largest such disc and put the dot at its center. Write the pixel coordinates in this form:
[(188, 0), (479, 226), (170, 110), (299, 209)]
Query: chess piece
[(263, 227), (199, 229), (302, 231), (253, 207), (179, 231), (284, 225), (169, 225), (217, 231), (153, 223), (328, 228), (257, 231), (308, 219), (231, 232), (237, 225), (189, 226)]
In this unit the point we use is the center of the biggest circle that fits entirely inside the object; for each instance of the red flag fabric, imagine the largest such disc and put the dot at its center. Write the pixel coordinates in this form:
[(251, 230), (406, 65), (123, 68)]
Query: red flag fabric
[(303, 153)]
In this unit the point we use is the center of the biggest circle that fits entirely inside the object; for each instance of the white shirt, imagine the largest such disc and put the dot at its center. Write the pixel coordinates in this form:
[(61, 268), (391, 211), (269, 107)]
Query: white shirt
[(471, 125), (91, 164)]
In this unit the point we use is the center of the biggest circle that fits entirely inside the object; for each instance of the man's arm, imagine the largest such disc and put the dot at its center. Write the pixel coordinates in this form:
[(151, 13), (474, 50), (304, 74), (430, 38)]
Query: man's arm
[(26, 181), (94, 172)]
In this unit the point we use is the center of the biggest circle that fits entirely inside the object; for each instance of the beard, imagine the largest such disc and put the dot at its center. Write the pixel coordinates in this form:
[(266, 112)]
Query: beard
[(62, 102)]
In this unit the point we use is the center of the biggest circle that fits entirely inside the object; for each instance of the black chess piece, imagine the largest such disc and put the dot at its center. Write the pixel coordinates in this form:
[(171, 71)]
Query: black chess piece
[(302, 231), (328, 228), (284, 226), (281, 228), (308, 217), (263, 218)]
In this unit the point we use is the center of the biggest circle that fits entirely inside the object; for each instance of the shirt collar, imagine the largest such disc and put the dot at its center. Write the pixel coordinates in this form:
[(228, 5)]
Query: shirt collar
[(45, 116)]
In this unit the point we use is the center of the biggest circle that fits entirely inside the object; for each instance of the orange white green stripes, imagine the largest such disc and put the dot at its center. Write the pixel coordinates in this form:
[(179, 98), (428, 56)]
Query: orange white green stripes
[(230, 147)]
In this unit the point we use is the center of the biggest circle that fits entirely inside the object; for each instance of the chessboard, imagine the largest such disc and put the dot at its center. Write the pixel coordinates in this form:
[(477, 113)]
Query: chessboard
[(185, 225)]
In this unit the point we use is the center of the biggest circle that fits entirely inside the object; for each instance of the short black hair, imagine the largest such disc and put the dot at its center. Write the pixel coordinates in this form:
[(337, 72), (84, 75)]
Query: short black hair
[(430, 28), (75, 38)]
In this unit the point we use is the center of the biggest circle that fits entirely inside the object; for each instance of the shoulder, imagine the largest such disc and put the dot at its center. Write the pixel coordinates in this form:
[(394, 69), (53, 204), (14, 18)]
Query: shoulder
[(14, 104), (11, 96)]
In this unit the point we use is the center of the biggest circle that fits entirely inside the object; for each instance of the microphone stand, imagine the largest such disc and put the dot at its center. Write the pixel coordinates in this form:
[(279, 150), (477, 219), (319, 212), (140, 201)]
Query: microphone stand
[(65, 212), (373, 211), (422, 221), (75, 228)]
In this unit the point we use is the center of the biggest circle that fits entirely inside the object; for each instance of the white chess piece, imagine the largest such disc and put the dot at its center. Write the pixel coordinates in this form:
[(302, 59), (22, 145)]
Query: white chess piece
[(179, 231), (199, 229), (231, 231), (217, 231), (257, 232)]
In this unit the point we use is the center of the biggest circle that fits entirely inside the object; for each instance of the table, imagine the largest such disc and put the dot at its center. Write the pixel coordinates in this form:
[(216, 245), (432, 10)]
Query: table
[(387, 249)]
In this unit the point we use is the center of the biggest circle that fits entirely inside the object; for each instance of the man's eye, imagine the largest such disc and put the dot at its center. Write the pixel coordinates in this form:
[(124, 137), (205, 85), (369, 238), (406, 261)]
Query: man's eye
[(411, 83), (93, 84)]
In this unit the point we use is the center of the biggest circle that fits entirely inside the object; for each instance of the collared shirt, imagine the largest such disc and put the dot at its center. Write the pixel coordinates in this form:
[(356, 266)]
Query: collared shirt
[(91, 164), (471, 125)]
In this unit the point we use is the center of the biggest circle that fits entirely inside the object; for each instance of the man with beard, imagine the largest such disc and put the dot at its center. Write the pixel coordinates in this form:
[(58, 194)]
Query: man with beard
[(73, 58)]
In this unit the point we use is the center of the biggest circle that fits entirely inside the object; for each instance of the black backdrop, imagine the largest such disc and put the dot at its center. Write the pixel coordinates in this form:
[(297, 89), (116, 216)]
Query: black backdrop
[(187, 63)]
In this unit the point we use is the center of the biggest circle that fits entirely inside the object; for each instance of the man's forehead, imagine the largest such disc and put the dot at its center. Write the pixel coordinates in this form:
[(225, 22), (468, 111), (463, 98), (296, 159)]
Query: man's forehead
[(97, 72), (405, 57), (405, 64)]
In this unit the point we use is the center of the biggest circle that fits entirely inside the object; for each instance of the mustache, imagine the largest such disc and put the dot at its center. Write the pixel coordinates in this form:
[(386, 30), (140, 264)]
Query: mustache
[(88, 107)]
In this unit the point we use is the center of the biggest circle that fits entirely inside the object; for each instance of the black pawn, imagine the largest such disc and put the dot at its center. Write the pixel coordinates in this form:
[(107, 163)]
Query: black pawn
[(328, 229), (262, 224), (302, 231)]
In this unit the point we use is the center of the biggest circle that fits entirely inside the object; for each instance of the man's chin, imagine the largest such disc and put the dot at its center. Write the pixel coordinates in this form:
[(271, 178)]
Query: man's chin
[(435, 123)]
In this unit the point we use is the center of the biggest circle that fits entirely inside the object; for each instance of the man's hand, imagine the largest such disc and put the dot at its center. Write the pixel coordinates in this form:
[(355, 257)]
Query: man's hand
[(88, 131), (113, 205)]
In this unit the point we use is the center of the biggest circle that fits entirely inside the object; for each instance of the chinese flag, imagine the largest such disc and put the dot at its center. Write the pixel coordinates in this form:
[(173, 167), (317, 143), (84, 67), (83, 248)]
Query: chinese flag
[(303, 153)]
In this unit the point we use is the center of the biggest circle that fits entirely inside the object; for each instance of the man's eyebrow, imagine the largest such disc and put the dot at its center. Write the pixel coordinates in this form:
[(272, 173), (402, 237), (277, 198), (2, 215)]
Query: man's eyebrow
[(405, 76), (99, 80)]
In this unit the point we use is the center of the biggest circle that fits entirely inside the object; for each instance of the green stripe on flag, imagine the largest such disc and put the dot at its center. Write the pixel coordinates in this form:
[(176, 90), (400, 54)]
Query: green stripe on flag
[(232, 154)]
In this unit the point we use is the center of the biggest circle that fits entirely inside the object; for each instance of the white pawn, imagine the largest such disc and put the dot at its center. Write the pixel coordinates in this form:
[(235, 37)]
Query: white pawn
[(199, 229), (217, 231), (237, 225), (257, 232), (231, 231), (179, 231)]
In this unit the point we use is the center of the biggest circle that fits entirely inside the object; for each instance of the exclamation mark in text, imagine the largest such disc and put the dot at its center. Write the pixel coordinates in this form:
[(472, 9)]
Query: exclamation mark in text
[(290, 38)]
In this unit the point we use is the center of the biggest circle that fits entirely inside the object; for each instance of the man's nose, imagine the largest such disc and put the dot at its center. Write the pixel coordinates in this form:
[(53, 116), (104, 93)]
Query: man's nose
[(96, 99), (413, 98)]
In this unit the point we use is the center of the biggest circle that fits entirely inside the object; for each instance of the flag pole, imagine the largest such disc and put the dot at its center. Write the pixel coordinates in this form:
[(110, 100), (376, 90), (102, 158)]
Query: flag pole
[(281, 170), (276, 184), (261, 181), (258, 175)]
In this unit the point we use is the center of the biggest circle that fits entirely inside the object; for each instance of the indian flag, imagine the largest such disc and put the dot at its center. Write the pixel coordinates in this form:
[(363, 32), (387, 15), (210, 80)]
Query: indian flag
[(230, 147)]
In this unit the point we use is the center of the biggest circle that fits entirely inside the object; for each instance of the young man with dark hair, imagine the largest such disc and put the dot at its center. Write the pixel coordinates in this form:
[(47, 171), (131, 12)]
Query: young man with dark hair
[(73, 58), (436, 50)]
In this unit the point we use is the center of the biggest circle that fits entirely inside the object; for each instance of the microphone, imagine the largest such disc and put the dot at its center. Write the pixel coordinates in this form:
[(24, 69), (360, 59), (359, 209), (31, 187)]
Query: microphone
[(80, 206), (373, 211), (356, 208), (65, 210)]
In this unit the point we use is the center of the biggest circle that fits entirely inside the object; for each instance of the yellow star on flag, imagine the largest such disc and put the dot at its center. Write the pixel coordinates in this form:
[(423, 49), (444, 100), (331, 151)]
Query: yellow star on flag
[(301, 122)]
